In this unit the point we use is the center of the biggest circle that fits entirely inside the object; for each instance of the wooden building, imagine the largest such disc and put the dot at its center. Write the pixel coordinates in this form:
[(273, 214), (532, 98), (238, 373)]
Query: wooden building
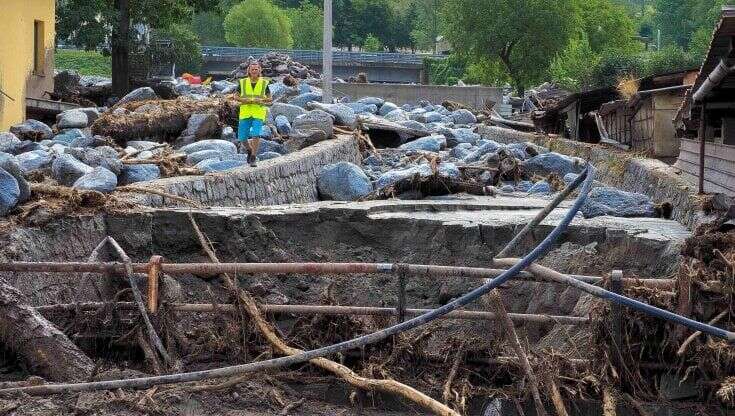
[(573, 116), (706, 120)]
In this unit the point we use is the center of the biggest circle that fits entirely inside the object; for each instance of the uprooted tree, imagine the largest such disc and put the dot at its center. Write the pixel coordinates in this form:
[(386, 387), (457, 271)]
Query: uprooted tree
[(43, 349)]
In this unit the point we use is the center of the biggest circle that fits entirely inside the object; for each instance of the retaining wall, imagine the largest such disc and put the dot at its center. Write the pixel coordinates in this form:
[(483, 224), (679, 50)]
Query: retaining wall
[(287, 179), (663, 183), (409, 93)]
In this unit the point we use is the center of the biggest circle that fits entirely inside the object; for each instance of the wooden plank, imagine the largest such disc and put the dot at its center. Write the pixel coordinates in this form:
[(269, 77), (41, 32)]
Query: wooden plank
[(720, 165), (722, 180)]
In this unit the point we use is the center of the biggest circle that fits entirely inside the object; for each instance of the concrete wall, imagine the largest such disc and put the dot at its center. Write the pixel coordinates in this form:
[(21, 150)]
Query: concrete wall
[(618, 168), (665, 143), (287, 179), (17, 77), (409, 94)]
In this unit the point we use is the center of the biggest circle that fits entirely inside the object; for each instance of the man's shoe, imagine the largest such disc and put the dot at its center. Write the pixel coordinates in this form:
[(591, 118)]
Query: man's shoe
[(252, 160)]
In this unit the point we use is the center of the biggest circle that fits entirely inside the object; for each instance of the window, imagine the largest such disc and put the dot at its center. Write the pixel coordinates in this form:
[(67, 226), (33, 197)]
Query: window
[(39, 49)]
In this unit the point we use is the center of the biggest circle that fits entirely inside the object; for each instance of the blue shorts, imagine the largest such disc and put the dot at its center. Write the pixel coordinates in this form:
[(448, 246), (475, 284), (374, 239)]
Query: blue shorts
[(249, 127)]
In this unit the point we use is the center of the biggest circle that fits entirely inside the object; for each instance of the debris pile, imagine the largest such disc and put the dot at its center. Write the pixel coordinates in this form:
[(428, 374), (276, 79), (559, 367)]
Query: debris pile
[(277, 65)]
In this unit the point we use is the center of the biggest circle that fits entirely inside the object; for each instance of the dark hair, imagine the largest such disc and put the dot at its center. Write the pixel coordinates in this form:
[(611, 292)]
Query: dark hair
[(254, 63)]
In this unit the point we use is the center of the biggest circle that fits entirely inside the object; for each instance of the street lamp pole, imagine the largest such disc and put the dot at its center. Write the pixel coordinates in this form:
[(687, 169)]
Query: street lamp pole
[(327, 53)]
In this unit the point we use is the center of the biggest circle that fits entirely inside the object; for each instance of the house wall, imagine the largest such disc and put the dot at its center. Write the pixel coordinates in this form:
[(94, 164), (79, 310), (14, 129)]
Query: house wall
[(665, 107), (719, 165), (642, 126), (17, 76)]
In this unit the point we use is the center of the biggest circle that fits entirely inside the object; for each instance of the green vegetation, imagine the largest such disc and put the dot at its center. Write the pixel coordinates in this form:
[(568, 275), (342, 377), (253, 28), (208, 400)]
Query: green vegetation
[(84, 62), (307, 22), (258, 23), (372, 44), (185, 50)]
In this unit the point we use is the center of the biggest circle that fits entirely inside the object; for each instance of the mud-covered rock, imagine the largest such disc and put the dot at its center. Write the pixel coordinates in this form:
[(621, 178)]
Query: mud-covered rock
[(616, 203), (548, 163), (99, 179), (199, 126), (32, 130), (66, 169), (343, 181)]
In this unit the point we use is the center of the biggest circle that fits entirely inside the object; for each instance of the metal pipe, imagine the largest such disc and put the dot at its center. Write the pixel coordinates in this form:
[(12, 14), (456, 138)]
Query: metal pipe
[(324, 310), (215, 269), (713, 80)]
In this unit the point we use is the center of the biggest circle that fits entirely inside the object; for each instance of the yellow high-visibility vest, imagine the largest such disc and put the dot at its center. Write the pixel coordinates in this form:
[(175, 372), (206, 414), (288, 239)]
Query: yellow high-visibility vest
[(246, 90)]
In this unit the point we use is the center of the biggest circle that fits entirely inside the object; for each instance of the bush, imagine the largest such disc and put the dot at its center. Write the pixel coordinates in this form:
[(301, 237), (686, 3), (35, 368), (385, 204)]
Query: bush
[(307, 26), (445, 71), (258, 23), (573, 68), (185, 50), (669, 59), (84, 62), (372, 44), (615, 65), (209, 27)]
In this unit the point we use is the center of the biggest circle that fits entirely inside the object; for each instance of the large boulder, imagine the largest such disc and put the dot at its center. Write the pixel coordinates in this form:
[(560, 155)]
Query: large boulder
[(462, 135), (93, 113), (69, 136), (429, 117), (343, 115), (32, 130), (283, 126), (302, 99), (488, 147), (9, 143), (200, 126), (221, 146), (463, 116), (196, 157), (429, 143), (314, 120), (139, 173), (343, 181), (548, 163), (72, 119), (9, 192), (37, 159), (66, 169), (397, 115), (140, 94), (103, 156), (614, 202), (268, 155), (271, 146), (99, 179), (10, 164), (363, 108), (376, 101), (289, 111)]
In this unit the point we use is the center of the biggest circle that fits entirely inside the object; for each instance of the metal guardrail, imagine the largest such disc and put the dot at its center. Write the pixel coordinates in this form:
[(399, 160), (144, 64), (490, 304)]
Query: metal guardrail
[(316, 56)]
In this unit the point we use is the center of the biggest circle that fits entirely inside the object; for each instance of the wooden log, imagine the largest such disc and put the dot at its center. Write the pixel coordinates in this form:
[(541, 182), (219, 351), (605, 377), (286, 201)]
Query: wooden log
[(44, 349)]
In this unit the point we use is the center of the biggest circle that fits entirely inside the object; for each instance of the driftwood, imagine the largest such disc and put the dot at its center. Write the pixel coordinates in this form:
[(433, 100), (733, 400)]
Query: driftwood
[(44, 349), (387, 386), (165, 123)]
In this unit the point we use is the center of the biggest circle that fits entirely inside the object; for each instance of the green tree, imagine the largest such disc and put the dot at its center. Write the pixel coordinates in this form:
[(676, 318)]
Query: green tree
[(258, 23), (185, 50), (209, 27), (606, 24), (427, 24), (616, 64), (668, 59), (524, 35), (89, 23), (372, 44), (573, 67), (307, 26)]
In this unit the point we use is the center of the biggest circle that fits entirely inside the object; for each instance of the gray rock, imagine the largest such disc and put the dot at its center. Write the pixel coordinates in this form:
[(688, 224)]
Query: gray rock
[(397, 116), (343, 115), (103, 156), (224, 86), (429, 117), (213, 165), (10, 164), (363, 108), (142, 144), (283, 126), (69, 136), (303, 99), (221, 146), (202, 126), (547, 163), (459, 152), (462, 135), (100, 180), (72, 119), (343, 181), (32, 130), (484, 149), (268, 155), (9, 192), (140, 94), (37, 159), (448, 170), (86, 141), (9, 143), (428, 143), (66, 169), (92, 113), (139, 173), (507, 188), (386, 108), (271, 146), (614, 202), (376, 101), (196, 157), (524, 186), (541, 187), (289, 111), (463, 116), (412, 124), (228, 133), (314, 120), (300, 140)]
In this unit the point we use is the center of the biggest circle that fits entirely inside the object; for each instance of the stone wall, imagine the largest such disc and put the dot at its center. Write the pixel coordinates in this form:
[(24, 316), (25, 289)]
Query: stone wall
[(287, 179), (663, 183), (411, 93)]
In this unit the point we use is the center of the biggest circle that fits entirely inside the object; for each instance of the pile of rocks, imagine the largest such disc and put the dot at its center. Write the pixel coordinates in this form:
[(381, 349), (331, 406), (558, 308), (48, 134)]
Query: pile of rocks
[(277, 65)]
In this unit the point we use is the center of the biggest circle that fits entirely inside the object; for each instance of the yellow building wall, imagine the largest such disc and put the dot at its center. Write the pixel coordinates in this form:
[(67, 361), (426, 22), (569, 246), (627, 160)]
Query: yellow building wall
[(17, 76)]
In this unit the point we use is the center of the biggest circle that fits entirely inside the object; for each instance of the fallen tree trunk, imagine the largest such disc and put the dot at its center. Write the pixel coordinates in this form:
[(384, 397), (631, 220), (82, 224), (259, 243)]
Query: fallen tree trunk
[(165, 123), (44, 350)]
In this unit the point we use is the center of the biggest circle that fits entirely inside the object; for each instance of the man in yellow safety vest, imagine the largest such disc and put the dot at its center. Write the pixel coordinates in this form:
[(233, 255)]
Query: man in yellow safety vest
[(255, 98)]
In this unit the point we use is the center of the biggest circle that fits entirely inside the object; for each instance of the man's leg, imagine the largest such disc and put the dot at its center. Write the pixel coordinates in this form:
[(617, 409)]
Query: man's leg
[(256, 130), (243, 131)]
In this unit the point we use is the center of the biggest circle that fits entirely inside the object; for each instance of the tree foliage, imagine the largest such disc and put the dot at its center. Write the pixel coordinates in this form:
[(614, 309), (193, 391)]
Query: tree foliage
[(209, 27), (573, 68), (258, 23), (307, 26), (427, 23), (185, 50), (372, 44), (524, 35)]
